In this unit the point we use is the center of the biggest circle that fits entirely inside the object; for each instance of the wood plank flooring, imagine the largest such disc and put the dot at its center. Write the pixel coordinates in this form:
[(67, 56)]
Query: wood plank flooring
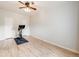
[(34, 48)]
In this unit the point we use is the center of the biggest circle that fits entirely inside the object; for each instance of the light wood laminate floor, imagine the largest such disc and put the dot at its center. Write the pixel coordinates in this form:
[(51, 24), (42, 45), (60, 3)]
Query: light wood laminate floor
[(34, 48)]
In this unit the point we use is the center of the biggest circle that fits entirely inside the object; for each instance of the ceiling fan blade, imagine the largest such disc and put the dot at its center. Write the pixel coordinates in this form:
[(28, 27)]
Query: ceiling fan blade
[(33, 8), (21, 7), (21, 2)]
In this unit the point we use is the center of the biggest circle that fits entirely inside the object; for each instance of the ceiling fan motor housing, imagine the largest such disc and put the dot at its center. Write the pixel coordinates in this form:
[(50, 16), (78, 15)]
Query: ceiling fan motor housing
[(27, 4)]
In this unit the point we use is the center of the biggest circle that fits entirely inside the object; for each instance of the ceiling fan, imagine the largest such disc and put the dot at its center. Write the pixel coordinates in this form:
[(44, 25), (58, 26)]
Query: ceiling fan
[(27, 5)]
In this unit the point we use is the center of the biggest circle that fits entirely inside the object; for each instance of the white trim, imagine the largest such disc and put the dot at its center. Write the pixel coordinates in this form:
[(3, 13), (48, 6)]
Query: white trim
[(72, 50)]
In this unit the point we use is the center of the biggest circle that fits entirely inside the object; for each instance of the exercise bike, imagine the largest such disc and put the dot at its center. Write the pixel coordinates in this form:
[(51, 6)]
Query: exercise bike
[(20, 39)]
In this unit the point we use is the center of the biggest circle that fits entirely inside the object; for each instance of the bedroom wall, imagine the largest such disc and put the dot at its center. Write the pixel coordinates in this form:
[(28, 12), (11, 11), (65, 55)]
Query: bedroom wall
[(9, 22), (57, 22)]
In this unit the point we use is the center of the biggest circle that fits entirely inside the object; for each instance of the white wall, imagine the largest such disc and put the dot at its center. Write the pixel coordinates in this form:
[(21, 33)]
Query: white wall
[(9, 22), (57, 22)]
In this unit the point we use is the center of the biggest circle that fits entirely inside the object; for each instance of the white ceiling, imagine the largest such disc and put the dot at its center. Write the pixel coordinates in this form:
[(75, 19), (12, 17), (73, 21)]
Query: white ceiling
[(14, 5)]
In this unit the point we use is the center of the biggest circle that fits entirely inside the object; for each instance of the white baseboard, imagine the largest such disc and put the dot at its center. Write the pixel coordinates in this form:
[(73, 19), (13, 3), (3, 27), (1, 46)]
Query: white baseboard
[(72, 50)]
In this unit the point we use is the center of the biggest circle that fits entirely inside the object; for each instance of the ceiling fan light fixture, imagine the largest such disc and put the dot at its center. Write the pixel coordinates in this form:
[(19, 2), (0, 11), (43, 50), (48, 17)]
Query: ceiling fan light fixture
[(27, 10)]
